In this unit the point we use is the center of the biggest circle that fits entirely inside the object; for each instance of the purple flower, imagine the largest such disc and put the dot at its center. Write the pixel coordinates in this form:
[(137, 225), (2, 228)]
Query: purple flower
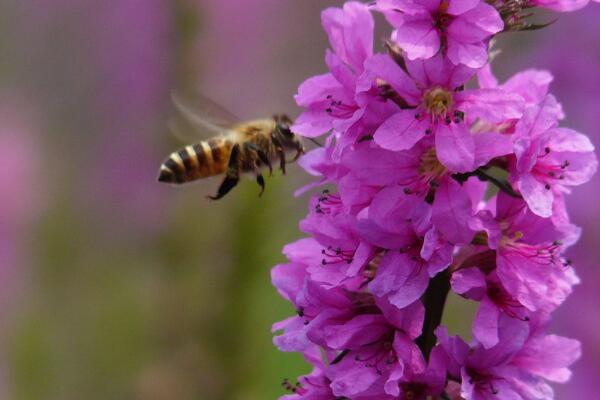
[(532, 84), (528, 257), (435, 104), (460, 29), (418, 383), (377, 347), (314, 386), (412, 154), (561, 5), (494, 303), (342, 251), (329, 99), (548, 158), (398, 221), (516, 368)]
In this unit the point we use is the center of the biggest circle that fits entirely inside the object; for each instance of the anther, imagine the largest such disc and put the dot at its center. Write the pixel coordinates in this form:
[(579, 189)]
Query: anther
[(428, 131), (547, 150), (547, 186), (568, 262), (448, 120)]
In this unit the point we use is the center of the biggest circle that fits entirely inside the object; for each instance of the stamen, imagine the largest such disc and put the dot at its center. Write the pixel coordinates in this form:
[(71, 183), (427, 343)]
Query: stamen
[(335, 256), (293, 388), (338, 109), (328, 203), (438, 103)]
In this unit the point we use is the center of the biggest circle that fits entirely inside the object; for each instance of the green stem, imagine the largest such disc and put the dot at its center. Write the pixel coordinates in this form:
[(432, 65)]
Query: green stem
[(434, 300), (484, 176)]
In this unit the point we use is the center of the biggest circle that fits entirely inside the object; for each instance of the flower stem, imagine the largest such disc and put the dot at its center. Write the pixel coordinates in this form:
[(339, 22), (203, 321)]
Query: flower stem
[(484, 176), (434, 300)]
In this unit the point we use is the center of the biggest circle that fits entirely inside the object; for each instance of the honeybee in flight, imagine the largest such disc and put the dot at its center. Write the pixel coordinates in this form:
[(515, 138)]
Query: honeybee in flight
[(234, 148)]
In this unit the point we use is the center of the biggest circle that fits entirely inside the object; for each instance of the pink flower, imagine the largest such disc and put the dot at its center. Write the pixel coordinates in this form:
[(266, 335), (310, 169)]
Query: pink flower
[(329, 99), (528, 263), (377, 346), (561, 5), (314, 386), (340, 250), (397, 221), (460, 29), (436, 105), (549, 158), (494, 303), (411, 155), (412, 383), (532, 85), (516, 368)]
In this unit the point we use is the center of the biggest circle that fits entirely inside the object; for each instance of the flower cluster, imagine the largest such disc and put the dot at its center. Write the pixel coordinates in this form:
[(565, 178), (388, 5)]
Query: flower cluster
[(437, 184)]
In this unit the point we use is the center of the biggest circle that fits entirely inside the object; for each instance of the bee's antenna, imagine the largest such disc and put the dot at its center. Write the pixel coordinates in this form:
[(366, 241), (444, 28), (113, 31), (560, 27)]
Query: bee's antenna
[(315, 142)]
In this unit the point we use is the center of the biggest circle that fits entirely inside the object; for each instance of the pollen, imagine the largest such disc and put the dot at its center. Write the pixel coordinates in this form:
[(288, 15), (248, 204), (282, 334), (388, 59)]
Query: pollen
[(438, 102)]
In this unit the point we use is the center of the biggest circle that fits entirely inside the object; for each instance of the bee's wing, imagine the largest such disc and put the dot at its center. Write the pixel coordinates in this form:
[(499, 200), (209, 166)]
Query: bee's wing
[(198, 118)]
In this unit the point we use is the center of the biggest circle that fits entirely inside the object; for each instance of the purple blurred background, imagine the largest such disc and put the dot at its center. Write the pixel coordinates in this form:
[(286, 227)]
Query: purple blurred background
[(118, 287)]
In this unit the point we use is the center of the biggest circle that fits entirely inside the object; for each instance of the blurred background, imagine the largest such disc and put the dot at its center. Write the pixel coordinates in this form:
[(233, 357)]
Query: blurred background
[(113, 286)]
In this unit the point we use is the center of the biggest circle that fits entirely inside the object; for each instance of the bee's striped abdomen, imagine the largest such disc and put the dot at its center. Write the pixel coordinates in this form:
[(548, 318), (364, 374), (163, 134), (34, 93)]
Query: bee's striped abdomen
[(197, 161)]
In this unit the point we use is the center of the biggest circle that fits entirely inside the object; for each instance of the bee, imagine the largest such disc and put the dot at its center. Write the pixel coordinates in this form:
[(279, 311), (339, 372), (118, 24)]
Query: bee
[(234, 148)]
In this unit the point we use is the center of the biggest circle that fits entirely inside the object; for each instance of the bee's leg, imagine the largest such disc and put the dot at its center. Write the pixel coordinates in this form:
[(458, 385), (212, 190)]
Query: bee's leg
[(282, 160), (299, 152), (261, 182), (253, 148), (265, 160), (280, 153), (232, 175)]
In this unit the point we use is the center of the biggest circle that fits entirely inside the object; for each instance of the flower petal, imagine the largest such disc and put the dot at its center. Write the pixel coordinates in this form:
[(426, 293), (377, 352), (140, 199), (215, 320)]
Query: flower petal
[(485, 325), (418, 37), (490, 145), (350, 32), (492, 105), (538, 198), (455, 147), (452, 212), (400, 278), (460, 7), (401, 131), (383, 67)]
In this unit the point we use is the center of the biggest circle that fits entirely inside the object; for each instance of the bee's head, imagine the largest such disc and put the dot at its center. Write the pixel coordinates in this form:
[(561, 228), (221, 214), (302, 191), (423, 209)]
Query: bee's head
[(284, 134)]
